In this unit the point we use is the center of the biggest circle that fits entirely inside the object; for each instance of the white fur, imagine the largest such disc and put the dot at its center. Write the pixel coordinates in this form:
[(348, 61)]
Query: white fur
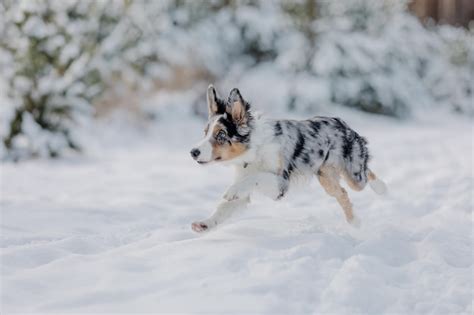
[(204, 146), (224, 211), (263, 182)]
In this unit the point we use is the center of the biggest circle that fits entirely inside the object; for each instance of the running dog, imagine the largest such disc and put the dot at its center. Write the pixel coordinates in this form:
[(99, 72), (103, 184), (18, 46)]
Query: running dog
[(268, 154)]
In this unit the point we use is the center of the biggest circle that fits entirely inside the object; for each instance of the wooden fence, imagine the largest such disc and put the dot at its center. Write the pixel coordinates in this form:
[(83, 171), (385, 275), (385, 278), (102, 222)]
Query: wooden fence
[(455, 12)]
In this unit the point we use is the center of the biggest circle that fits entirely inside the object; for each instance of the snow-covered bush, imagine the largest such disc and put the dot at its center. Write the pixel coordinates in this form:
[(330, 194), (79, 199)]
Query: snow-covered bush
[(370, 55), (58, 57), (209, 41), (50, 51), (376, 57), (218, 35), (450, 77)]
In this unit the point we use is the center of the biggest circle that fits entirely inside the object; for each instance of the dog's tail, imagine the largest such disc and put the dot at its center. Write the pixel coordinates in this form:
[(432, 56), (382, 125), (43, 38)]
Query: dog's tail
[(376, 184)]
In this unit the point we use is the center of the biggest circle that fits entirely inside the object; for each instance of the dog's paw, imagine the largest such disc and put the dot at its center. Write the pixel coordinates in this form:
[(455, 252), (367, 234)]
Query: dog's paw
[(200, 227)]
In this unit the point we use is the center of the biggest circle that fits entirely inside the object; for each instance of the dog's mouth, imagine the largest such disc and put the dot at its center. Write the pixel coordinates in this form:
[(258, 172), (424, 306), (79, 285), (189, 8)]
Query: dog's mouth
[(205, 162)]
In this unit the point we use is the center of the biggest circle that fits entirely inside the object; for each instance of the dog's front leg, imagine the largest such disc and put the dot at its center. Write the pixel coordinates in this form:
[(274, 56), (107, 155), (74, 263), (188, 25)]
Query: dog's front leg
[(268, 184), (224, 210)]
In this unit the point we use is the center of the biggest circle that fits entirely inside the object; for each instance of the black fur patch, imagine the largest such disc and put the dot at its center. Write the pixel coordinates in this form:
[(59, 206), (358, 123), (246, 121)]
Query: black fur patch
[(321, 153), (232, 130), (305, 157), (286, 173), (362, 143), (278, 130), (315, 126), (299, 145), (221, 104), (339, 125), (230, 127), (347, 148), (327, 155)]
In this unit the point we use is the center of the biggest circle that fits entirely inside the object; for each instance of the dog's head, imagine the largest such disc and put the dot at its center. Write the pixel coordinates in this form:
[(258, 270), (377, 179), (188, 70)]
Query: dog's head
[(228, 130)]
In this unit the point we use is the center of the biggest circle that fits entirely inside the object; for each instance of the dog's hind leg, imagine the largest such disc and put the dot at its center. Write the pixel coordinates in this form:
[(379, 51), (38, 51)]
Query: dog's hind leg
[(224, 211), (353, 184), (377, 185), (329, 178)]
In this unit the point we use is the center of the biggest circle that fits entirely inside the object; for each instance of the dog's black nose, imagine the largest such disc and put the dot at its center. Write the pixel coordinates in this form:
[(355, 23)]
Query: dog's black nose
[(195, 153)]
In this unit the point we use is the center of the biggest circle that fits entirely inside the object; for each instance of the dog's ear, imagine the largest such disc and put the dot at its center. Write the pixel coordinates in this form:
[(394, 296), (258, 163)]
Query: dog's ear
[(214, 103), (239, 108)]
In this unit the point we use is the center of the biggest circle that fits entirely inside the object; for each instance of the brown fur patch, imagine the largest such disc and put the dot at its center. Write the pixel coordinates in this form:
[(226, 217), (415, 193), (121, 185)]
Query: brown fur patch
[(218, 127), (238, 111), (351, 182), (372, 176), (225, 151), (329, 179)]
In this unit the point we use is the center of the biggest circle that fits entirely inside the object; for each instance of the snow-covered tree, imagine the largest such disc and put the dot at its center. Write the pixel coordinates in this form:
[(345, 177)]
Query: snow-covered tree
[(449, 78), (51, 67), (376, 57), (216, 39)]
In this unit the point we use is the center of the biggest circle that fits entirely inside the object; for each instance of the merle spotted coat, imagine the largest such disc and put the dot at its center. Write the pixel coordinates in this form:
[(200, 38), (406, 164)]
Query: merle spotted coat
[(269, 154)]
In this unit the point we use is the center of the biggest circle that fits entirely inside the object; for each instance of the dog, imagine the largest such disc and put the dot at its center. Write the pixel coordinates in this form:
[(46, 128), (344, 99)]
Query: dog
[(268, 154)]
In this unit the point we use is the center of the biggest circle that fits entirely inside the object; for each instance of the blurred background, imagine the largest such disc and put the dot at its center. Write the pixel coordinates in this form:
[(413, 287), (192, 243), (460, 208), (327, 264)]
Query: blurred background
[(66, 64), (101, 102)]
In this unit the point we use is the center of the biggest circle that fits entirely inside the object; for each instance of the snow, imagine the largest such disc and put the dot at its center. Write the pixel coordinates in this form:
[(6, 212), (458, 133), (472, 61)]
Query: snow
[(110, 231)]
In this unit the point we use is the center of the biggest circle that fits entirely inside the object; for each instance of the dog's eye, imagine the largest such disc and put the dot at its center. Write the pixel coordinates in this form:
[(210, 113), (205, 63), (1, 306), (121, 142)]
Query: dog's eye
[(221, 137)]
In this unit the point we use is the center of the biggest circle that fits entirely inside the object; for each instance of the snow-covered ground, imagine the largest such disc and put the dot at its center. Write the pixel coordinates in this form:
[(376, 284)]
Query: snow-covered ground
[(110, 231)]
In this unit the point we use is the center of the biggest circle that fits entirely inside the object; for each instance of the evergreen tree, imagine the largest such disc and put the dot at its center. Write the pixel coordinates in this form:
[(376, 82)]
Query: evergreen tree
[(53, 72)]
